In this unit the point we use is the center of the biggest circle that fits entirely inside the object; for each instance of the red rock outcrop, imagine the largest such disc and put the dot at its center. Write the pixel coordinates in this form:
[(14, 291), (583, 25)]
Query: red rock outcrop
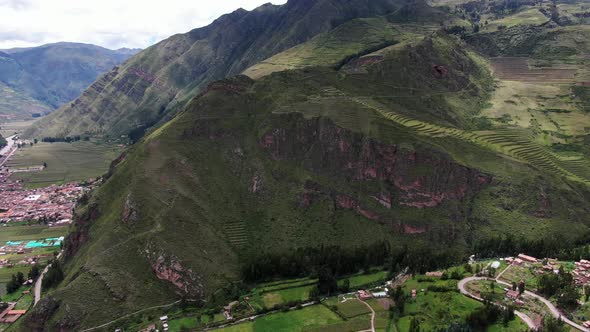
[(423, 178)]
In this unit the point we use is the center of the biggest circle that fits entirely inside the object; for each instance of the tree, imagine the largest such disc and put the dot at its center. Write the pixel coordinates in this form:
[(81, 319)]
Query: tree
[(568, 297), (521, 287), (345, 286), (414, 325), (54, 275), (20, 277), (508, 315), (491, 272), (551, 324), (399, 298), (468, 268), (314, 293), (327, 283), (13, 285)]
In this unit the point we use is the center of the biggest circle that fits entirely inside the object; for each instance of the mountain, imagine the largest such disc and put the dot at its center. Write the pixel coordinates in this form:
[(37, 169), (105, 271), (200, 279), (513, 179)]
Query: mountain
[(159, 81), (400, 129), (41, 79)]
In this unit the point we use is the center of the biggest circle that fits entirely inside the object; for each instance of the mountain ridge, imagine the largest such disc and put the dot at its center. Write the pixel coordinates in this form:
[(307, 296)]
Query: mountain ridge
[(38, 80), (168, 74)]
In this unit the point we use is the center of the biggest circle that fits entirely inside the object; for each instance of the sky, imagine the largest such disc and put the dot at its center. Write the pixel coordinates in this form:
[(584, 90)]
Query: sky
[(109, 23)]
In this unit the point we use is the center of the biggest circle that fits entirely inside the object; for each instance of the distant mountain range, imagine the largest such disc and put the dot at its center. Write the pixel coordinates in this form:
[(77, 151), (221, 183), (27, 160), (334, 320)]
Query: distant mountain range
[(41, 79), (159, 81)]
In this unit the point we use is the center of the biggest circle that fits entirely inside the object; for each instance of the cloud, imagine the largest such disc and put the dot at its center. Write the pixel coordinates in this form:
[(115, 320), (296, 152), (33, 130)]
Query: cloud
[(109, 23)]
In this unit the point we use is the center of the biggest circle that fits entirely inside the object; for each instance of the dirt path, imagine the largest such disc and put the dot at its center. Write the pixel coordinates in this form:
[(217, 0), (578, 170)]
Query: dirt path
[(39, 281), (502, 273), (372, 316), (129, 315)]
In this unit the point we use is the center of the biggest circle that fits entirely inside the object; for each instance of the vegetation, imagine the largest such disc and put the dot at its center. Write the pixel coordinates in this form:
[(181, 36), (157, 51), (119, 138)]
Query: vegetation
[(321, 171), (54, 275), (65, 162)]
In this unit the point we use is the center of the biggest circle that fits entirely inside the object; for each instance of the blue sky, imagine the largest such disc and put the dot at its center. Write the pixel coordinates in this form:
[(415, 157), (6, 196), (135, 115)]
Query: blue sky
[(108, 23)]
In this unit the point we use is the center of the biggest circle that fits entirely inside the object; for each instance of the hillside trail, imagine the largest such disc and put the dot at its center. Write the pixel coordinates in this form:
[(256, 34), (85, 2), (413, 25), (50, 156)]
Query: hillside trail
[(372, 316)]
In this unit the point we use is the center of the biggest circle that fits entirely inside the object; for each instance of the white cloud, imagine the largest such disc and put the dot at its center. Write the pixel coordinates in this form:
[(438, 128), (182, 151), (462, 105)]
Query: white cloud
[(108, 23)]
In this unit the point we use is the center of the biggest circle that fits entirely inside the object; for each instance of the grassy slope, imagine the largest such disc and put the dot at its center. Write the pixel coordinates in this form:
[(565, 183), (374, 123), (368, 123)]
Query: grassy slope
[(191, 180), (357, 37), (15, 105)]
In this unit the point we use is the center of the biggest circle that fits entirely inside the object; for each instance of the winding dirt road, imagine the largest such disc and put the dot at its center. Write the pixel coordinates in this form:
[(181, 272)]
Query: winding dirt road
[(372, 316)]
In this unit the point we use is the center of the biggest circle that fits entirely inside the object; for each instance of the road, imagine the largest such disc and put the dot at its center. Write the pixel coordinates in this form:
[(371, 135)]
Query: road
[(9, 144), (554, 311), (372, 316), (7, 151), (463, 289), (39, 281)]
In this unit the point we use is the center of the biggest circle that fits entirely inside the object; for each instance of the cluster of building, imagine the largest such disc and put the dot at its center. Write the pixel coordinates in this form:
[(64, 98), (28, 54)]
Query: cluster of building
[(53, 205), (365, 295), (10, 315), (520, 259), (582, 272)]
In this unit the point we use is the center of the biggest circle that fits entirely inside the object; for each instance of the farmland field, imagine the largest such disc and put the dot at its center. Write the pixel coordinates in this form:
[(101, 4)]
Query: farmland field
[(10, 128), (24, 233), (20, 233), (518, 69), (66, 162)]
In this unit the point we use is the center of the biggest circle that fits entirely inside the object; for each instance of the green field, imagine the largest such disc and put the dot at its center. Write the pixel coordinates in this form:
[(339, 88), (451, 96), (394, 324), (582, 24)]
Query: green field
[(275, 293), (366, 279), (21, 233), (14, 127), (317, 316), (66, 162), (24, 233)]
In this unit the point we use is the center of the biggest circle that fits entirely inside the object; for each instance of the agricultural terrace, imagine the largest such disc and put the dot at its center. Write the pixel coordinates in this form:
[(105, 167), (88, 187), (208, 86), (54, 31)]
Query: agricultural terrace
[(14, 127), (65, 162)]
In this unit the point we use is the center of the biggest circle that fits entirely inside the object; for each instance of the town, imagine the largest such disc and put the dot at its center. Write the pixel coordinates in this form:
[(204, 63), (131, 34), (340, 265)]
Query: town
[(52, 205)]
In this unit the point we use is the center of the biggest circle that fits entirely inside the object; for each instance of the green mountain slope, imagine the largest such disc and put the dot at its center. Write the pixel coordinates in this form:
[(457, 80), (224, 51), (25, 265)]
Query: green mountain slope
[(158, 82), (40, 79), (304, 158)]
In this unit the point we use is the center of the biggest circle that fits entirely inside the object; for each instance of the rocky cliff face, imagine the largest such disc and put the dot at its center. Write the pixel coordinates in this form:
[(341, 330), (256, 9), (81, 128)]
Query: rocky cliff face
[(420, 179)]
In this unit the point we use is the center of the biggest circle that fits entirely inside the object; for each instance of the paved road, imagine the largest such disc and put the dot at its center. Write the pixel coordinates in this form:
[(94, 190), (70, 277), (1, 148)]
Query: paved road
[(9, 144), (7, 151), (463, 289), (39, 281), (554, 311)]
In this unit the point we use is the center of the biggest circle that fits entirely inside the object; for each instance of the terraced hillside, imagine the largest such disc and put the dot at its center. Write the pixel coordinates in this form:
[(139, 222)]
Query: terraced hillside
[(308, 158), (510, 142)]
